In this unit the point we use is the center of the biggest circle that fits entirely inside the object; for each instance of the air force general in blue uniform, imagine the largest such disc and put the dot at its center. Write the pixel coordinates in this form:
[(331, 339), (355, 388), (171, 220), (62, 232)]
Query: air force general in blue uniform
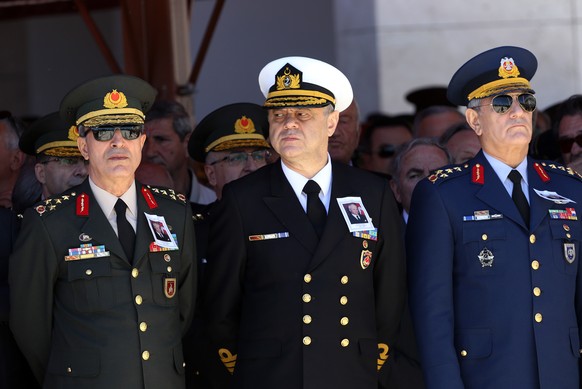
[(495, 292)]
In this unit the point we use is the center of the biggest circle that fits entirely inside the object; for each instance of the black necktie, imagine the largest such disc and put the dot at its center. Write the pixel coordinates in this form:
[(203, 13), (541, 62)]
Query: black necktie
[(125, 231), (315, 209), (518, 196)]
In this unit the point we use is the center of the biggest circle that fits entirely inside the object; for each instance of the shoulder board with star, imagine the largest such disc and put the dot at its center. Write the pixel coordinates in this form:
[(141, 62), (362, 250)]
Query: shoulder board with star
[(47, 206), (447, 172), (167, 193), (554, 167)]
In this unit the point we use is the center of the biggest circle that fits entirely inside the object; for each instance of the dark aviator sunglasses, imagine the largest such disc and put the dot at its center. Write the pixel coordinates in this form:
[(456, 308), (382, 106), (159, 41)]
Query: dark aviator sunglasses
[(502, 103), (106, 133)]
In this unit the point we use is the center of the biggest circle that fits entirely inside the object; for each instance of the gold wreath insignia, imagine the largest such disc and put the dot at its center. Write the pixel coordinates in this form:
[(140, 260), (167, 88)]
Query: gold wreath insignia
[(115, 99), (244, 125)]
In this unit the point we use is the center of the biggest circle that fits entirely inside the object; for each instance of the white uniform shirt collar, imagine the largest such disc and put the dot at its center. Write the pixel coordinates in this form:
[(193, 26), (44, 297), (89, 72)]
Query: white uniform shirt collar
[(323, 179), (502, 170), (107, 201)]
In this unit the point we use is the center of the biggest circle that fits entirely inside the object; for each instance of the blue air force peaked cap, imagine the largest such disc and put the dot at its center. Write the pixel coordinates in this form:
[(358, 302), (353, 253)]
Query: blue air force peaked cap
[(492, 72), (304, 82)]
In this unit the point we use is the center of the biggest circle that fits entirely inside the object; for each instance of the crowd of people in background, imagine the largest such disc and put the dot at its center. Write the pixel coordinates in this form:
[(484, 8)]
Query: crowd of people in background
[(41, 160)]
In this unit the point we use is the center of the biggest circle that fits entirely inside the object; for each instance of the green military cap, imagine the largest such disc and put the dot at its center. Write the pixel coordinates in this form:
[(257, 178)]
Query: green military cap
[(230, 127), (50, 135), (117, 99)]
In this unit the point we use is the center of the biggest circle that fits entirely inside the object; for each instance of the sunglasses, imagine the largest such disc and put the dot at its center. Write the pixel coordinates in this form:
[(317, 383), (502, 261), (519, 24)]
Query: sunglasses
[(567, 143), (66, 161), (502, 103), (106, 133), (240, 158)]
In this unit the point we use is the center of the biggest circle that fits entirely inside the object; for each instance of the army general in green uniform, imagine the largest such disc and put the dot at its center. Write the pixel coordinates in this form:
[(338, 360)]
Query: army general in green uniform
[(97, 301)]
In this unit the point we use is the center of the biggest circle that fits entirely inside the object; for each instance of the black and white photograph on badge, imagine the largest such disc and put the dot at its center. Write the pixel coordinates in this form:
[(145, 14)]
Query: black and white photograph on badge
[(355, 214), (161, 231)]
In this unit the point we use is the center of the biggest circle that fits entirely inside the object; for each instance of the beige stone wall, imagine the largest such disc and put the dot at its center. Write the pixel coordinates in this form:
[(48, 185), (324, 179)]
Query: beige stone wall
[(422, 42)]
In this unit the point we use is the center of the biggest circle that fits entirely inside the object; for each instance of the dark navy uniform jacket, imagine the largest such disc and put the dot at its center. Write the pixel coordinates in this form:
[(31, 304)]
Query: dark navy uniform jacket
[(102, 322), (284, 310), (496, 303)]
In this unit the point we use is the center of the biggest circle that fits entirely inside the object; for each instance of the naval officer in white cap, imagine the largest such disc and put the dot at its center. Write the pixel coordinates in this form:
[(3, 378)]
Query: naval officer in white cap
[(297, 296)]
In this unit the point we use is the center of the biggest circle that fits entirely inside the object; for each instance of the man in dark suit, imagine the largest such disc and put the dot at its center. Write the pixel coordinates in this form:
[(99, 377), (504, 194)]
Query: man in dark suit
[(94, 302), (160, 232), (230, 143), (354, 214), (293, 299), (493, 246)]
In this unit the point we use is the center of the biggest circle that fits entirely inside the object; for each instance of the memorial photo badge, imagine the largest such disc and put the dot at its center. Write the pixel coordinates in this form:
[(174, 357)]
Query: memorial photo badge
[(161, 232), (355, 214)]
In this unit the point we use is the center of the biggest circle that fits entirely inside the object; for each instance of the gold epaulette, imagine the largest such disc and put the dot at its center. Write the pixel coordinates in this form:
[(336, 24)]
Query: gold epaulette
[(169, 193), (53, 203), (556, 167), (447, 172)]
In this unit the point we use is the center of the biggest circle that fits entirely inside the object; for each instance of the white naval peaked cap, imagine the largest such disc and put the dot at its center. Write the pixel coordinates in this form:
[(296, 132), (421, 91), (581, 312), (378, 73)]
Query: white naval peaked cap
[(304, 82)]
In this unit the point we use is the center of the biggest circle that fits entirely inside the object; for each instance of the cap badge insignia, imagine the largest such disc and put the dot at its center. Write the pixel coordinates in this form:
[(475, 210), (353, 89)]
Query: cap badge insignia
[(288, 80), (244, 125), (114, 99), (73, 133), (486, 257), (508, 68)]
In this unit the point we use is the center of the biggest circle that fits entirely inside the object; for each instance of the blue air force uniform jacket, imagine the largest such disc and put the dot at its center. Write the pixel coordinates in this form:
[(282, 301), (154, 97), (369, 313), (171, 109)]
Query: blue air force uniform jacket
[(284, 310), (496, 303), (103, 321)]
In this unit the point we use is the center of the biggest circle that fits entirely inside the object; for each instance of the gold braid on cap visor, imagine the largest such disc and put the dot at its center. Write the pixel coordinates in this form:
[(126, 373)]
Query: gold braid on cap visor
[(493, 87), (63, 151), (112, 120), (232, 141)]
